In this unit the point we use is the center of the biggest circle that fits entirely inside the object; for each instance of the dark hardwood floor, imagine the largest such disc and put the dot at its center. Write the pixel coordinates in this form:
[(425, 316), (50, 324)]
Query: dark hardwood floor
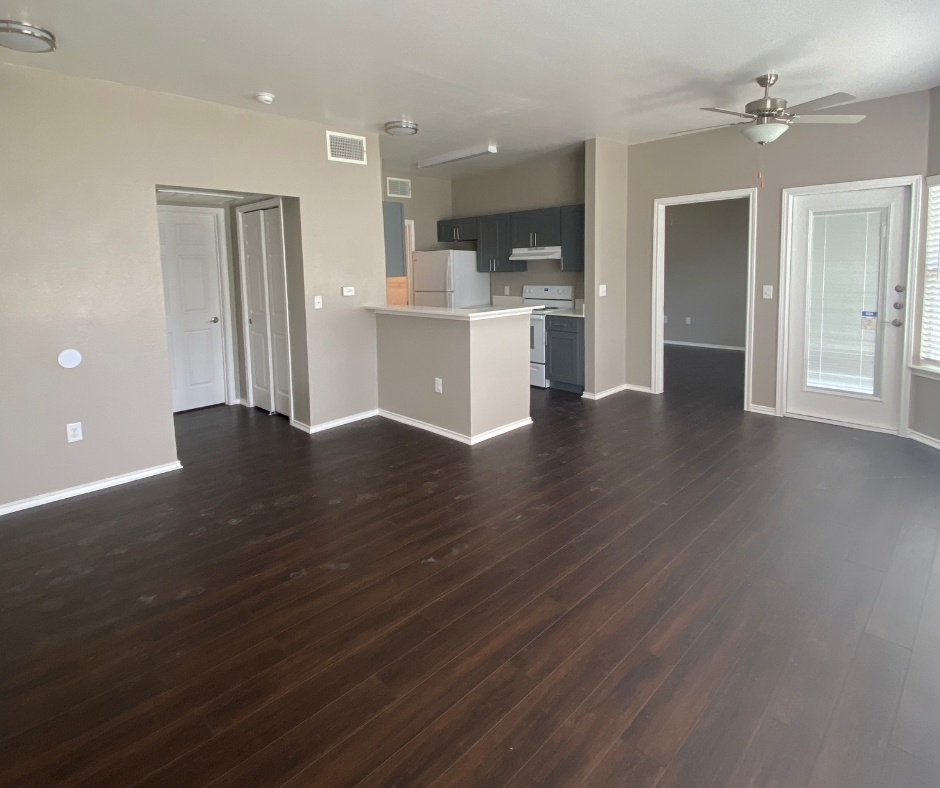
[(642, 591)]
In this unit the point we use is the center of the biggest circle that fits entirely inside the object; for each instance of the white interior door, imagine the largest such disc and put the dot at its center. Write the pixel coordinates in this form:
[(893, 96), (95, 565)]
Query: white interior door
[(189, 250), (256, 307), (845, 356), (277, 308)]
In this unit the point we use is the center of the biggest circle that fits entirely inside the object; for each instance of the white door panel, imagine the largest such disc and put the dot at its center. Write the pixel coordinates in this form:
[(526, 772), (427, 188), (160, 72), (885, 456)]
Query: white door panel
[(277, 292), (190, 256), (257, 300), (845, 352)]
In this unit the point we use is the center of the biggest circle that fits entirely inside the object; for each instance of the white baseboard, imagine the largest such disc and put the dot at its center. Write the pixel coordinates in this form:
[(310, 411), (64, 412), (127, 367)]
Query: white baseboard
[(702, 344), (616, 390), (81, 489), (925, 439), (328, 425), (240, 401), (457, 436), (762, 409)]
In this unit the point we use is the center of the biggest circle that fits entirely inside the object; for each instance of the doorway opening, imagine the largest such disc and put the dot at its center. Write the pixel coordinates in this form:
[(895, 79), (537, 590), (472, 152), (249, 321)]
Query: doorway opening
[(847, 273), (704, 258), (233, 290)]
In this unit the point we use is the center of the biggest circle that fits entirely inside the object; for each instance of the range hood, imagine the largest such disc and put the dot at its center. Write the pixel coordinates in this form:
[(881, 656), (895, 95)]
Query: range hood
[(536, 253)]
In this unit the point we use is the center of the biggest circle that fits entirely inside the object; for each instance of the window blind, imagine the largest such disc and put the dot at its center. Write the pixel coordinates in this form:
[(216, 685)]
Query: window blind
[(930, 305)]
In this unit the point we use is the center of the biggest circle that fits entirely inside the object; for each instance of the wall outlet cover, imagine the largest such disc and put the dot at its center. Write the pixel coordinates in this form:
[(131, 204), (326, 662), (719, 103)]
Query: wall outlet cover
[(768, 291), (439, 385), (349, 291), (74, 431), (318, 302), (665, 318), (506, 290), (688, 321), (602, 290)]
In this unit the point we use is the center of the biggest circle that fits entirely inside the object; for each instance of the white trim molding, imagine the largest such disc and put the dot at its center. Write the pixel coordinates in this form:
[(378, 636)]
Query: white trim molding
[(659, 280), (934, 443), (762, 409), (616, 390), (328, 425), (82, 489), (702, 344), (456, 436)]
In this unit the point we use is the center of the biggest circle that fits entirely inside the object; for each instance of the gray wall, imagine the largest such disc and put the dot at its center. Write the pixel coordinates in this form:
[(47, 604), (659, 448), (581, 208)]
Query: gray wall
[(892, 141), (430, 200), (540, 183), (706, 272), (81, 265)]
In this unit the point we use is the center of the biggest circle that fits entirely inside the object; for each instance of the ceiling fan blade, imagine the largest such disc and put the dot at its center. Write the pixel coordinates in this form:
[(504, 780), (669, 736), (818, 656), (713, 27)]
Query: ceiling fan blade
[(822, 102), (828, 118), (706, 128), (729, 112)]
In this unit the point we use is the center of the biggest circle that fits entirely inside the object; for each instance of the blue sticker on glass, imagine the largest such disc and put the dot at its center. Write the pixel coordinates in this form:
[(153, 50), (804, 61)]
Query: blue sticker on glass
[(869, 314)]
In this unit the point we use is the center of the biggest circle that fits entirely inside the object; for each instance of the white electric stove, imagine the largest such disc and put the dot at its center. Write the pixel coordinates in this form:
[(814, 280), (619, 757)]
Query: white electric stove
[(550, 298)]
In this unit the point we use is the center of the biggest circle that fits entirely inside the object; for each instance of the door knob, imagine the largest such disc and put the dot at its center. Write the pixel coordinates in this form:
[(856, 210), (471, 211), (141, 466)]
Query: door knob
[(214, 320), (899, 288), (897, 323)]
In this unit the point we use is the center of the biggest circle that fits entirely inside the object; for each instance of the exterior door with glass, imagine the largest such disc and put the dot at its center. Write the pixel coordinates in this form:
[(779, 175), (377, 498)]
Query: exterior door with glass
[(847, 304)]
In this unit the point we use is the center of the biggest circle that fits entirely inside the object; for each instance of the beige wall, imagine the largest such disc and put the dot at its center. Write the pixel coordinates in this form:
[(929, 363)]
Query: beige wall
[(430, 201), (81, 265), (706, 272), (892, 141), (540, 183), (605, 258), (483, 364)]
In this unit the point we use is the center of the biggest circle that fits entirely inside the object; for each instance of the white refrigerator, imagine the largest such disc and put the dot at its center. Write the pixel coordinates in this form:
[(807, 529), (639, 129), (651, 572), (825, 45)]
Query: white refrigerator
[(449, 278)]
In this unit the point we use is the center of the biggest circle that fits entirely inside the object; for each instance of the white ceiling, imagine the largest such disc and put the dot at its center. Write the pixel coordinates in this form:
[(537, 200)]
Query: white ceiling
[(529, 75)]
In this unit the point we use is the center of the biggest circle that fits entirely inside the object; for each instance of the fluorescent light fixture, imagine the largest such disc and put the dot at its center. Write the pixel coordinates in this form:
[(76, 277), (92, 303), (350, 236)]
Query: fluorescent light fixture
[(460, 155), (226, 195)]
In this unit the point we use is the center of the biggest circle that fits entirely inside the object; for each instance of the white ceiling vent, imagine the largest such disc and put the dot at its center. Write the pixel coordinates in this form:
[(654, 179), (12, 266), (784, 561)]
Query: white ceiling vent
[(398, 187), (345, 147)]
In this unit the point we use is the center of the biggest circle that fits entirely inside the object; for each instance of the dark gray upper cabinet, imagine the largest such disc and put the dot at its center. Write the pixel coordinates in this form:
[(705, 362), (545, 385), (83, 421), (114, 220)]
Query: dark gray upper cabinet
[(572, 238), (537, 228), (457, 229), (494, 245), (564, 352)]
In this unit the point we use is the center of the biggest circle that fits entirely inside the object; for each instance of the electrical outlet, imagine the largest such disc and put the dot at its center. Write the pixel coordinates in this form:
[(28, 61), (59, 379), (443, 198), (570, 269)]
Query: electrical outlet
[(74, 431), (602, 290), (318, 302), (438, 385), (349, 291), (688, 321), (665, 318), (506, 290), (768, 291)]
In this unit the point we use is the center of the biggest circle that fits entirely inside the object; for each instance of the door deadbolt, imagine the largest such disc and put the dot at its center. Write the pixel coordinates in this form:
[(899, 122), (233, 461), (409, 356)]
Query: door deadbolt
[(899, 288)]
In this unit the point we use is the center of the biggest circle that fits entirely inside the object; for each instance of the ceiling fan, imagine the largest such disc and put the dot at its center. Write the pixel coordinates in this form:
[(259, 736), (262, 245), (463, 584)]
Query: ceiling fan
[(767, 118)]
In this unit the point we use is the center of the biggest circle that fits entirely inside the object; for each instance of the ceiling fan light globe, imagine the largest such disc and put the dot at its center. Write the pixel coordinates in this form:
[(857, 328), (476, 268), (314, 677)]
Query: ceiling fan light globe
[(762, 133)]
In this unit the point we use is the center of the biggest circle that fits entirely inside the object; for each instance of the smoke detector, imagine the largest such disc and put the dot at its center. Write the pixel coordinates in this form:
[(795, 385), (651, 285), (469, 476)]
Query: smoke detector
[(264, 97), (24, 37), (401, 128)]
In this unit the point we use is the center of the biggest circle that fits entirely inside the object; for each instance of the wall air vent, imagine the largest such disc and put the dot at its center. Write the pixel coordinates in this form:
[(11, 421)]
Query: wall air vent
[(398, 187), (345, 147)]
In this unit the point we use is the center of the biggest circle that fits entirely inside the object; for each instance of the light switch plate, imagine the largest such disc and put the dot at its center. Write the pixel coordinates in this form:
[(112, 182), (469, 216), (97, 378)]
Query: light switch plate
[(688, 321), (318, 302), (74, 431), (349, 291), (665, 318), (768, 291), (439, 385), (602, 290), (506, 290)]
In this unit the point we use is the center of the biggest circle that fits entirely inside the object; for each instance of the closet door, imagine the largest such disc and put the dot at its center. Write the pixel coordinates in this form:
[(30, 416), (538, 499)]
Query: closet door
[(277, 308), (256, 298)]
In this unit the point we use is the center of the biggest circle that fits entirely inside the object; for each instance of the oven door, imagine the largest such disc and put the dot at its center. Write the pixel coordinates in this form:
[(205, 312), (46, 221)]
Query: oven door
[(537, 339)]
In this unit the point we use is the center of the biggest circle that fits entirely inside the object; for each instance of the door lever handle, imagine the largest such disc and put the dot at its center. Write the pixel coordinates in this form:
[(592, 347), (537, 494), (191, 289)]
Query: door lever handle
[(214, 320)]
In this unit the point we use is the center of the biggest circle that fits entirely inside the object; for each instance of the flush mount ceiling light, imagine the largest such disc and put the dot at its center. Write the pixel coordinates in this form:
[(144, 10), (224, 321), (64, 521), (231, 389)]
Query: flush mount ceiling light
[(460, 155), (24, 37), (264, 97), (401, 128)]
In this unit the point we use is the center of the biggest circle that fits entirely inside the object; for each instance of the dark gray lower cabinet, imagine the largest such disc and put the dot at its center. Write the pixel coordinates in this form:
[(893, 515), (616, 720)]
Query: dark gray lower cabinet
[(564, 352)]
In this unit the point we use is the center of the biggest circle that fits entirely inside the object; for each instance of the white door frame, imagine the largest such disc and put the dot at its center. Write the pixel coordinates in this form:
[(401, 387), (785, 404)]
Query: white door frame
[(274, 202), (915, 184), (659, 279), (409, 258), (225, 291)]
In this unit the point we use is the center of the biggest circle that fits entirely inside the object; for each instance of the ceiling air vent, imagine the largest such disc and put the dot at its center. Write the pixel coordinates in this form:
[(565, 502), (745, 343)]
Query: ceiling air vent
[(345, 147), (398, 187)]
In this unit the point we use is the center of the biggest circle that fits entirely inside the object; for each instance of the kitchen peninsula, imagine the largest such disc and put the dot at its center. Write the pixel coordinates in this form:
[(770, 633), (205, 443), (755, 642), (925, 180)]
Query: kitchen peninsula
[(460, 373)]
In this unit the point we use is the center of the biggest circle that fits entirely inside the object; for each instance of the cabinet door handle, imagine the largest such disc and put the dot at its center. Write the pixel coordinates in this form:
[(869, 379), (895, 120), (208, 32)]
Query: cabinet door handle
[(535, 237)]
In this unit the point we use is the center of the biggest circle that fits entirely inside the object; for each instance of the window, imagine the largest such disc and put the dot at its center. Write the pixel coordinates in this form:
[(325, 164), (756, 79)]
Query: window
[(928, 354)]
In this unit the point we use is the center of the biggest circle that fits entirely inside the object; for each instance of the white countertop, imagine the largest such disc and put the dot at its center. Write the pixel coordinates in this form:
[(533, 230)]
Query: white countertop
[(562, 313), (470, 313)]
